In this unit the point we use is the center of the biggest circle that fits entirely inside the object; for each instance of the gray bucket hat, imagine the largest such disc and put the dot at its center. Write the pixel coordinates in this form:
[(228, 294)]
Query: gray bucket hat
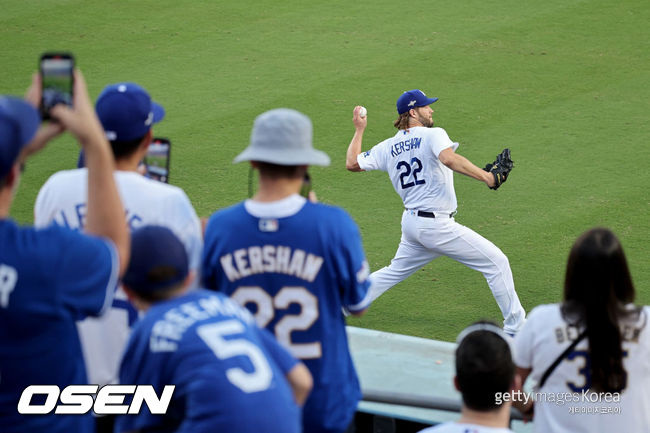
[(283, 136)]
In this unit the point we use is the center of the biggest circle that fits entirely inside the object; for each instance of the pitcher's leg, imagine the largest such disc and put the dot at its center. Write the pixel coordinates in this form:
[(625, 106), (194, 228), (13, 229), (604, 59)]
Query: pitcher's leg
[(408, 259), (478, 253)]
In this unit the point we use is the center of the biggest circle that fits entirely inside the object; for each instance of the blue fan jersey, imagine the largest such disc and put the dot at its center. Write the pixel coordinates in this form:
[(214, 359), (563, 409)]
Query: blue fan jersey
[(295, 273), (230, 375), (48, 279)]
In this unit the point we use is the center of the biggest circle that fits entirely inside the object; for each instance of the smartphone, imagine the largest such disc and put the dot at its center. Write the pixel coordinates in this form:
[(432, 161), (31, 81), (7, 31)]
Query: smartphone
[(156, 161), (57, 81), (306, 186)]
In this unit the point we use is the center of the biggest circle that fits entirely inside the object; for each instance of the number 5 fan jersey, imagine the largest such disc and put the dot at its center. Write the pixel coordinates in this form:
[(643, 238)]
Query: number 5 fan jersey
[(295, 265), (229, 374)]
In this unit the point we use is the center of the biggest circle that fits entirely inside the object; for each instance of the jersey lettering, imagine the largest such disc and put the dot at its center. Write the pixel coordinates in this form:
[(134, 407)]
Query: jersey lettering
[(78, 221), (8, 280), (267, 307), (270, 258), (405, 146), (404, 175), (584, 370), (214, 335)]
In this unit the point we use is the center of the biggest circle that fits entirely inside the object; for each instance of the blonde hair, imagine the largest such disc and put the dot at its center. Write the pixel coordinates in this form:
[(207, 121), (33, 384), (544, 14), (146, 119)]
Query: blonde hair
[(402, 121)]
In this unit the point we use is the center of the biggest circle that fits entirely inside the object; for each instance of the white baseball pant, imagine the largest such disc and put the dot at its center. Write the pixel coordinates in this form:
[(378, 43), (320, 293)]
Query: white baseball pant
[(424, 239)]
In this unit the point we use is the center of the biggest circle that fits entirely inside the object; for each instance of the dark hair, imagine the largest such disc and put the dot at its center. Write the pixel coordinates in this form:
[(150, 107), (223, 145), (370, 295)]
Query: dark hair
[(160, 274), (159, 295), (402, 121), (484, 367), (125, 148), (596, 288), (276, 171)]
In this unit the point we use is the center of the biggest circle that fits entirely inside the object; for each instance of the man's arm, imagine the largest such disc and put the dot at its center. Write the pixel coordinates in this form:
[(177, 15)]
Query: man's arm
[(464, 166), (301, 382), (105, 212), (354, 148)]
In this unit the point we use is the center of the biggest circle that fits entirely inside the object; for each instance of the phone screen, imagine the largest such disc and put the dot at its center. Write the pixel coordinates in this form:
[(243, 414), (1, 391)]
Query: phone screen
[(57, 81), (156, 162)]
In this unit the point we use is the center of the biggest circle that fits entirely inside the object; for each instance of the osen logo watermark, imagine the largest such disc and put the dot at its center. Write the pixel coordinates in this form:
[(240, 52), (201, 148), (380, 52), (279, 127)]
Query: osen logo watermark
[(107, 400)]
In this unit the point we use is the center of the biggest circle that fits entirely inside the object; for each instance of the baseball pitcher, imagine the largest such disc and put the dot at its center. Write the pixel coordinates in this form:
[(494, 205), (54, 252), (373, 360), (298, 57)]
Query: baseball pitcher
[(420, 161)]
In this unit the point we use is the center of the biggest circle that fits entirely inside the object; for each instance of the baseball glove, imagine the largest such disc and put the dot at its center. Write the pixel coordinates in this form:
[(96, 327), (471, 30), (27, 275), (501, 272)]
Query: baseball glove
[(500, 168)]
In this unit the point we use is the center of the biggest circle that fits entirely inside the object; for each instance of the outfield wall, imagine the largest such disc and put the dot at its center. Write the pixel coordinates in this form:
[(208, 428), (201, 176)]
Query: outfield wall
[(414, 371)]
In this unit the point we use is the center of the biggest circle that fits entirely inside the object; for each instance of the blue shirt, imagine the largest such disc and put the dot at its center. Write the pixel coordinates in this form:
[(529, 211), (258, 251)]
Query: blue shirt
[(229, 374), (296, 273), (49, 278)]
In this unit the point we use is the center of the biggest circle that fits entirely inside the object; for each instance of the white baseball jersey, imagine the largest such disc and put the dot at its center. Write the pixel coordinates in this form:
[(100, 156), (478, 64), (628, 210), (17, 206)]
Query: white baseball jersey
[(63, 200), (456, 427), (411, 160), (563, 404)]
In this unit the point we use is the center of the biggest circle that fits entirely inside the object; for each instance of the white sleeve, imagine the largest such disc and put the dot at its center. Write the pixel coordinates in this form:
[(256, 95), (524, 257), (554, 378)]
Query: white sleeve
[(43, 206), (187, 226), (440, 141), (371, 159), (524, 340)]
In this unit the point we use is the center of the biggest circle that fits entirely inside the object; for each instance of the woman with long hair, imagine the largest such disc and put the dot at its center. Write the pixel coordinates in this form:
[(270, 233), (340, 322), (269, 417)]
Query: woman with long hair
[(590, 355)]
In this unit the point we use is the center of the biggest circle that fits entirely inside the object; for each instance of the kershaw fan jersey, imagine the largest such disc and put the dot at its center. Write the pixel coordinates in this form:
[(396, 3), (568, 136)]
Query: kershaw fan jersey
[(295, 264)]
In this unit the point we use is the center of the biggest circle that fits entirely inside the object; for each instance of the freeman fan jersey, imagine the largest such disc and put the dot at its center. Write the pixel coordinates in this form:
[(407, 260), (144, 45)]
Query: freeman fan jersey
[(564, 403), (63, 200), (229, 374), (295, 264), (48, 279), (411, 159)]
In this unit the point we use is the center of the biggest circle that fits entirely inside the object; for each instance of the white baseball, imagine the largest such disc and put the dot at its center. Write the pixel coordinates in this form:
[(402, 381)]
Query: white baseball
[(363, 112)]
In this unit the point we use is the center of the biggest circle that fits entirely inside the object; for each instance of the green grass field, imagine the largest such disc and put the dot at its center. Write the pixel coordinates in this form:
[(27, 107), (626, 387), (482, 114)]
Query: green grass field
[(564, 84)]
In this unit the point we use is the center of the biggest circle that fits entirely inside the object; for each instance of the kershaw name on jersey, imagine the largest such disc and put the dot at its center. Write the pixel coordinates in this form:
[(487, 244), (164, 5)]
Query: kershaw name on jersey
[(271, 258), (405, 146)]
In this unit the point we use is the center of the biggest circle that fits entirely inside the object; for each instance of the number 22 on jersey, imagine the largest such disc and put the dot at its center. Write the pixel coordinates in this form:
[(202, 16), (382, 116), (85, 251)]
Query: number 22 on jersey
[(406, 169), (267, 306)]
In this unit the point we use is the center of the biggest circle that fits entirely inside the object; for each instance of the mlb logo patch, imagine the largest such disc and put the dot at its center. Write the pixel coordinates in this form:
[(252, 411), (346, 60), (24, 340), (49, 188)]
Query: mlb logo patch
[(365, 154), (268, 225)]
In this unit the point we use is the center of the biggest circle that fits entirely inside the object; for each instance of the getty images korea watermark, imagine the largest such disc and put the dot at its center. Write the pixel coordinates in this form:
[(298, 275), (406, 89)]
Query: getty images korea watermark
[(107, 400), (584, 402)]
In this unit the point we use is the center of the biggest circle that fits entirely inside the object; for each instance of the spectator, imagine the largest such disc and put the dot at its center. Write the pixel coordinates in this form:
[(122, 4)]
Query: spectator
[(592, 349), (295, 264), (485, 372), (51, 277), (127, 114), (229, 374)]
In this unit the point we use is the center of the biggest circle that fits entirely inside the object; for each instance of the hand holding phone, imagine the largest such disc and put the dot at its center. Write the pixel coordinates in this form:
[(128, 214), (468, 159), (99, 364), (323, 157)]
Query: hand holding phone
[(57, 80)]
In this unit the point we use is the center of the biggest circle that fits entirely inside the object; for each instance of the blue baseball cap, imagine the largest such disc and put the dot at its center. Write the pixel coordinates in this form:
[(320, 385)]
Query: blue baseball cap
[(158, 260), (19, 122), (126, 111), (411, 99)]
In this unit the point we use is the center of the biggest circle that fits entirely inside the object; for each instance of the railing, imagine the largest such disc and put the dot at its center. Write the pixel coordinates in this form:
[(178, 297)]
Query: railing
[(425, 402)]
